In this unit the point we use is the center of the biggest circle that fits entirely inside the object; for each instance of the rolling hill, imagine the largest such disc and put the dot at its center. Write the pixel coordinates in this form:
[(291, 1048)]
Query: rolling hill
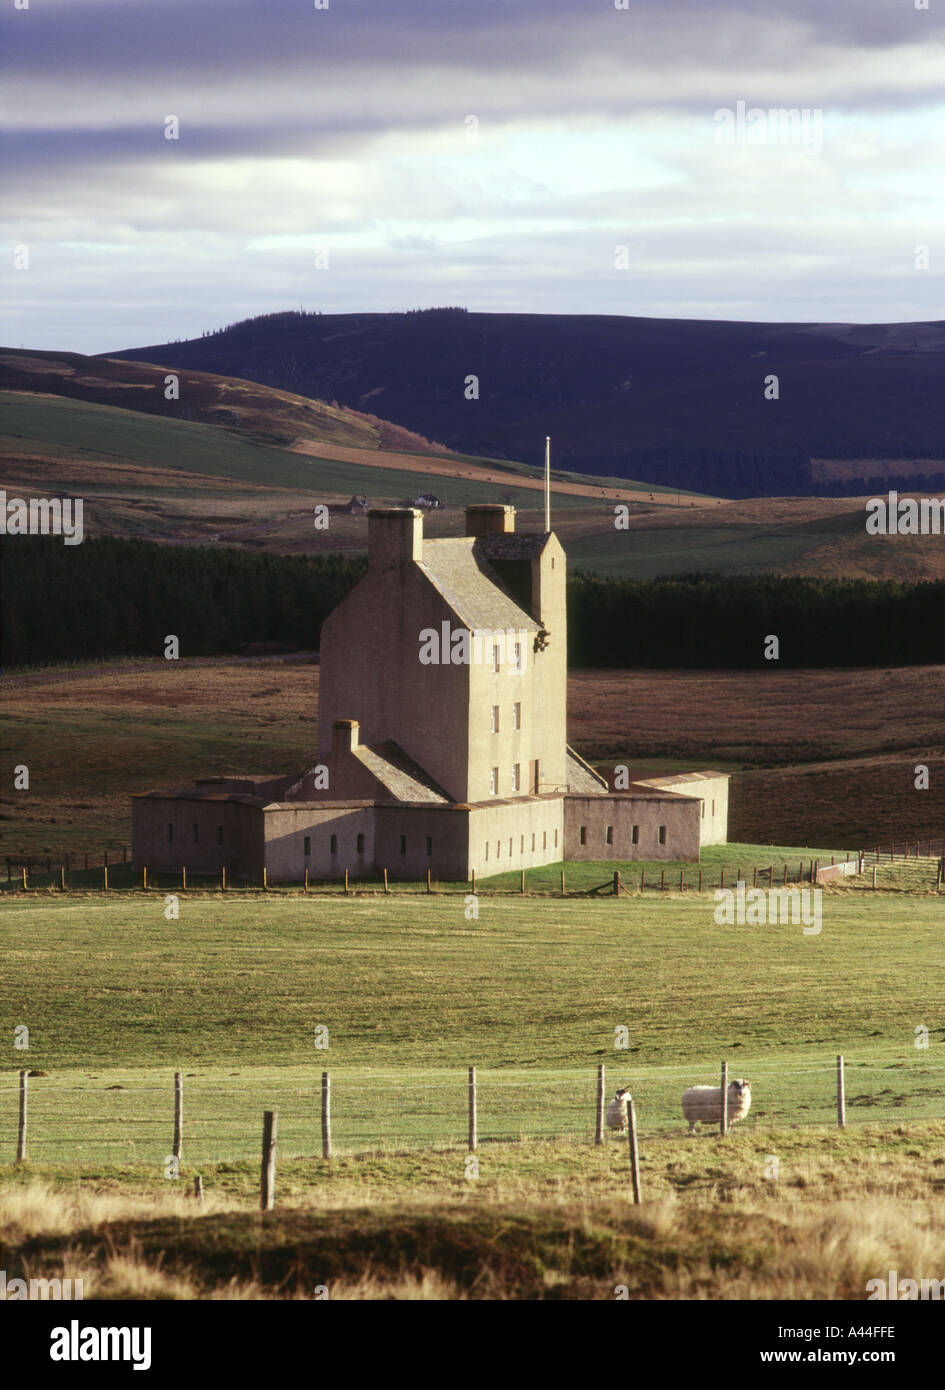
[(680, 403)]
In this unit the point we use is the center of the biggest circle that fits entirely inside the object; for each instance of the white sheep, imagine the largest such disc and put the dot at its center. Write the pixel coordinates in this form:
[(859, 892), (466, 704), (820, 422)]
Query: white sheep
[(617, 1111), (705, 1103)]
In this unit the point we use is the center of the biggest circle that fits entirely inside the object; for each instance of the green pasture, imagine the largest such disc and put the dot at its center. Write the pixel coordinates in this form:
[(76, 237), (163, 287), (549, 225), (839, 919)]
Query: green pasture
[(411, 991), (81, 430)]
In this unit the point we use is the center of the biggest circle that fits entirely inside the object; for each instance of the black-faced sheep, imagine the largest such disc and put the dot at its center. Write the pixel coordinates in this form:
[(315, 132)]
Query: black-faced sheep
[(704, 1103), (617, 1111)]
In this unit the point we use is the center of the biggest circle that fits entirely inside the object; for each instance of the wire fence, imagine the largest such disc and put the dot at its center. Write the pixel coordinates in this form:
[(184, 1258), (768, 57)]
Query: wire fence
[(97, 1119)]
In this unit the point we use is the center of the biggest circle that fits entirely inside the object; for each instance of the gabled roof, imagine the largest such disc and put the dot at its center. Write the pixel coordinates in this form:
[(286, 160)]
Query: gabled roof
[(460, 572), (398, 774), (581, 776)]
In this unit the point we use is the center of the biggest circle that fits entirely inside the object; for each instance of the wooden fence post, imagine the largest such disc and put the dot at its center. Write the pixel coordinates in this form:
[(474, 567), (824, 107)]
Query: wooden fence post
[(326, 1115), (178, 1114), (662, 880), (523, 880), (472, 881), (682, 882), (346, 880), (473, 1127), (265, 884), (700, 880), (144, 877), (634, 1156), (599, 1127), (563, 890), (387, 887), (62, 877), (198, 1188), (429, 882), (306, 878), (722, 879), (267, 1187), (841, 1096), (21, 1125), (24, 878), (222, 878), (874, 875), (183, 876), (723, 1120), (105, 872)]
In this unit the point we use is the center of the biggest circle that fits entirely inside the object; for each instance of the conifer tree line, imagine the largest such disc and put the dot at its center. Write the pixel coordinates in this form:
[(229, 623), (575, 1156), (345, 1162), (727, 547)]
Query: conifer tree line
[(113, 597)]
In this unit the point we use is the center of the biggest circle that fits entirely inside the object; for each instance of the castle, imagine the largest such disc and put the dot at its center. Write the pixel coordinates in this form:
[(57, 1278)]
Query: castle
[(442, 741)]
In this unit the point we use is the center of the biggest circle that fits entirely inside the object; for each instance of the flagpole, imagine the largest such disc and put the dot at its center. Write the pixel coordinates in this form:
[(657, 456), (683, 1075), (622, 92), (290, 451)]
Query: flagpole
[(547, 482)]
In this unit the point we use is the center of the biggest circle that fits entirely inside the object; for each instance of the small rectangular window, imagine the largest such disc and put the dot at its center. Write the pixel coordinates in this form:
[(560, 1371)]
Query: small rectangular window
[(429, 846), (495, 719), (522, 847), (170, 832), (498, 849), (516, 778), (544, 839), (533, 839), (556, 839), (333, 844), (360, 844), (487, 849), (662, 834), (510, 846), (219, 834), (583, 834), (196, 833), (403, 844), (703, 810), (517, 715), (518, 656), (635, 835), (495, 657), (307, 846), (610, 838), (713, 808), (494, 781)]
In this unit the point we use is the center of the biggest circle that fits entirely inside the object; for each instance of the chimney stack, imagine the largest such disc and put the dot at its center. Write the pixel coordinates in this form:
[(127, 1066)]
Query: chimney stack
[(395, 537), (487, 518)]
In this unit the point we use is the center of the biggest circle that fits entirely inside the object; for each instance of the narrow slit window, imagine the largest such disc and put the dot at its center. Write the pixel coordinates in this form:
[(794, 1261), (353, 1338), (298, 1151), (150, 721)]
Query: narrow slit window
[(662, 834), (307, 847)]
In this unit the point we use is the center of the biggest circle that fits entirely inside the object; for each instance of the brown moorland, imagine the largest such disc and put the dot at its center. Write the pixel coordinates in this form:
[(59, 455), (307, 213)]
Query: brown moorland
[(817, 757)]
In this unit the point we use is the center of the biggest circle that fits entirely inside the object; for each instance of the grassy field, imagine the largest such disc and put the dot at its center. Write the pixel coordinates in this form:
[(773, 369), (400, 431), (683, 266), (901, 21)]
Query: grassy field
[(411, 992)]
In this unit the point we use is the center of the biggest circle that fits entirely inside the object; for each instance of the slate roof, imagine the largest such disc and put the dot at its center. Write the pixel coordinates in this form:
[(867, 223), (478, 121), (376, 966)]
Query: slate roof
[(459, 571), (510, 545), (672, 779), (582, 779), (399, 774)]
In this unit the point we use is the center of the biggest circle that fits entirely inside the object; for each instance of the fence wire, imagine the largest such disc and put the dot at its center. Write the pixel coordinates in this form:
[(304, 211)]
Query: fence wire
[(98, 1120)]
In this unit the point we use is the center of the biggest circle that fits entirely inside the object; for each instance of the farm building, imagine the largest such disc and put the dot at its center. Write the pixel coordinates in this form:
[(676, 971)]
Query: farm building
[(442, 739)]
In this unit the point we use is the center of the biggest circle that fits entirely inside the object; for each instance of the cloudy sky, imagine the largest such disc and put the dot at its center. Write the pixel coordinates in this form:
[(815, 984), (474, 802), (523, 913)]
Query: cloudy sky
[(533, 155)]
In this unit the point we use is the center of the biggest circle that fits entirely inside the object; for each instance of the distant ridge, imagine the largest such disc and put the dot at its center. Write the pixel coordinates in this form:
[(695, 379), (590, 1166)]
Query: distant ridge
[(677, 402)]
